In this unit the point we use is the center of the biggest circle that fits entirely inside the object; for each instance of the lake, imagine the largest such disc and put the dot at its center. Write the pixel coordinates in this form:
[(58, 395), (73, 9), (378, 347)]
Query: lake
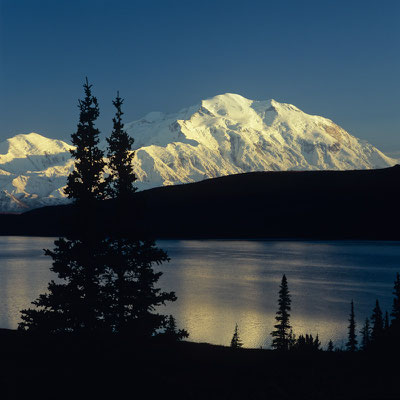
[(222, 282)]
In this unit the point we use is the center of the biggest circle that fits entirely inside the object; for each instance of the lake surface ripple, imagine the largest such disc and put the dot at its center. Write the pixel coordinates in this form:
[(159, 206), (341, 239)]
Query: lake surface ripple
[(222, 282)]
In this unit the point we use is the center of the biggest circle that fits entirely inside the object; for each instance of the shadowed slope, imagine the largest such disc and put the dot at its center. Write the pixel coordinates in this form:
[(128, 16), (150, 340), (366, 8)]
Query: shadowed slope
[(315, 204)]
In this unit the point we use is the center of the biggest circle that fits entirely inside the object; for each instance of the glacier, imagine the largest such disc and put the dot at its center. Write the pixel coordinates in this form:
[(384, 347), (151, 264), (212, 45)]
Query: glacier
[(226, 134)]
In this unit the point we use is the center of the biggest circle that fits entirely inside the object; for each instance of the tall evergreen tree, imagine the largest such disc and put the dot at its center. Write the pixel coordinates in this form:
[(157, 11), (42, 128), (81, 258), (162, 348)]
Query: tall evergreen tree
[(330, 346), (396, 303), (85, 184), (377, 323), (73, 304), (365, 335), (130, 292), (120, 157), (236, 343), (352, 337), (281, 334)]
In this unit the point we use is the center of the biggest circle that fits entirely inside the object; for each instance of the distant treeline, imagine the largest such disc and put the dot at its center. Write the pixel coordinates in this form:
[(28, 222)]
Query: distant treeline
[(304, 205)]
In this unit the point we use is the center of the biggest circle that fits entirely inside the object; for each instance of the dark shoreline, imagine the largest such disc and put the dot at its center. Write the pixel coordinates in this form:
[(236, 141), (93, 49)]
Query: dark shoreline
[(98, 367)]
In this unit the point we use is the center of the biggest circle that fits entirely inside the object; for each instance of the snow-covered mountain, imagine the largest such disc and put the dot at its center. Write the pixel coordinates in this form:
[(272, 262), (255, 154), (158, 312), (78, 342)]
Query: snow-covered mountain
[(33, 171), (224, 135)]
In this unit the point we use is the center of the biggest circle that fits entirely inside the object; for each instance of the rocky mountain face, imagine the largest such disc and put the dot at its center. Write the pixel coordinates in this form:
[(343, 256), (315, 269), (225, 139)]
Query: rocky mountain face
[(224, 135)]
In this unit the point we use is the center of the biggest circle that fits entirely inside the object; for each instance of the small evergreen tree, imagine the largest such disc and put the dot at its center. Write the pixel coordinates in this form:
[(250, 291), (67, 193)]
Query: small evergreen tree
[(236, 343), (386, 324), (171, 332), (396, 303), (365, 335), (351, 344), (307, 343), (317, 343), (281, 334), (377, 323), (301, 342), (291, 339), (330, 346)]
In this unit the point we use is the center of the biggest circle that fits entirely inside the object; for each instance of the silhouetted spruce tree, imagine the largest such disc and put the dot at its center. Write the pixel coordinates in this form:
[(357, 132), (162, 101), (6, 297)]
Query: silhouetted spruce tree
[(365, 335), (130, 294), (281, 334), (291, 339), (85, 184), (73, 304), (396, 303), (351, 344), (307, 343), (377, 323), (301, 342), (330, 346), (236, 343), (386, 323), (171, 332), (317, 343), (120, 157)]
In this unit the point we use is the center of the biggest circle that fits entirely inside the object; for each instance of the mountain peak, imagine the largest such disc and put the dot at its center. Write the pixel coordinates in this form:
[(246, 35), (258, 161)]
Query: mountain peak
[(229, 133), (32, 143), (236, 106)]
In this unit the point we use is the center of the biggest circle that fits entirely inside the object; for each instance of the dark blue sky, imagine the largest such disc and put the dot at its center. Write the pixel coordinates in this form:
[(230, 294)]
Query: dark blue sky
[(338, 59)]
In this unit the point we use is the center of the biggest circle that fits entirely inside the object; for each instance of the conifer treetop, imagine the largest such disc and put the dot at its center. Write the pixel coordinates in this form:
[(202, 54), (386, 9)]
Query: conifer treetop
[(236, 343), (352, 341), (396, 301), (120, 156), (86, 183), (377, 322), (366, 335)]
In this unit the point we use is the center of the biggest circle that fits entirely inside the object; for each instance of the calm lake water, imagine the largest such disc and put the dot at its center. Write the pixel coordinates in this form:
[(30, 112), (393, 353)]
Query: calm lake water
[(222, 282)]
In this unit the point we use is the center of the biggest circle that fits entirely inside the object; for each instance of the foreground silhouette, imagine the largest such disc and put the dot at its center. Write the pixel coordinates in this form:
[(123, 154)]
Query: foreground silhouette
[(108, 280), (115, 368), (75, 304)]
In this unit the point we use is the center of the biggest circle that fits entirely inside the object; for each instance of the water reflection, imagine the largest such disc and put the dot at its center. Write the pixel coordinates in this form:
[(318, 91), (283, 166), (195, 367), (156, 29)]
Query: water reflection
[(221, 283), (24, 273)]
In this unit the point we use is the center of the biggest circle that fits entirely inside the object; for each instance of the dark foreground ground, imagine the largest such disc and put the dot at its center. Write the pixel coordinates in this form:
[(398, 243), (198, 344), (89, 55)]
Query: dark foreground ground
[(94, 368)]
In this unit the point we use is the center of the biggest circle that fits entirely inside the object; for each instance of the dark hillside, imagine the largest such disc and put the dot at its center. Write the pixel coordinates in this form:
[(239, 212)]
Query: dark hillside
[(316, 204)]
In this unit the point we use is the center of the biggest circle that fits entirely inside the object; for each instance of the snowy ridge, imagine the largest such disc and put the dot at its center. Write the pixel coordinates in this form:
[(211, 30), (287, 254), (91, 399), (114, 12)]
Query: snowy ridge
[(33, 171), (224, 135), (230, 134)]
